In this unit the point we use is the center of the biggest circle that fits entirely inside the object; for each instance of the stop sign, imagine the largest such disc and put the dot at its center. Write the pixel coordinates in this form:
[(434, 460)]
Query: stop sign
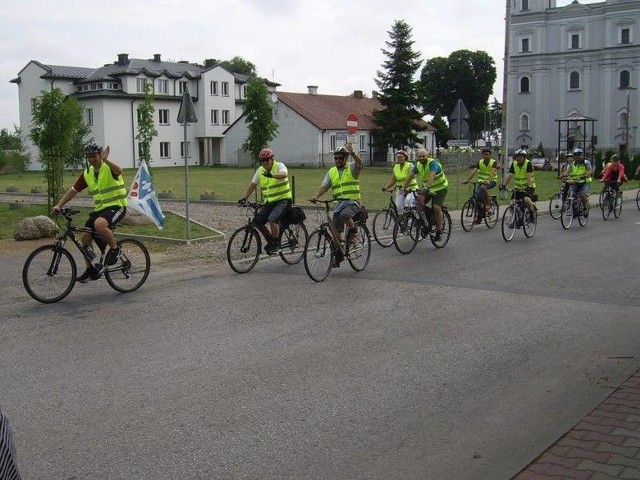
[(352, 123)]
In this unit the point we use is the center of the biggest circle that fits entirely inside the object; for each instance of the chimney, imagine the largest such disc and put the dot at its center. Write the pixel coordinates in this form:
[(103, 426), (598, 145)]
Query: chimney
[(357, 94), (313, 89), (123, 59), (209, 62), (156, 57)]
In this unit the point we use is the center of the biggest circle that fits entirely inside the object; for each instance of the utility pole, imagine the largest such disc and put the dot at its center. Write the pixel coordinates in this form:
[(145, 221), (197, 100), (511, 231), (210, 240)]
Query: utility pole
[(505, 89)]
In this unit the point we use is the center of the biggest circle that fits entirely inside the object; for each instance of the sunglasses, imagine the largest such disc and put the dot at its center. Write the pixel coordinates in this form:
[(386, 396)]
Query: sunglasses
[(265, 160)]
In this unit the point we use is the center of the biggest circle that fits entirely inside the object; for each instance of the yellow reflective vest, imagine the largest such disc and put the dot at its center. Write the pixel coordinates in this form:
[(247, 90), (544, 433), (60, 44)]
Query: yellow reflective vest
[(105, 190), (274, 189), (440, 181), (345, 186), (401, 172)]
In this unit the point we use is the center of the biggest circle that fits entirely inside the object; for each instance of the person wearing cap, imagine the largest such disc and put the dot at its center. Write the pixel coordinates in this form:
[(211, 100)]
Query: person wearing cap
[(401, 170), (579, 175), (104, 180), (613, 173), (434, 186), (487, 171), (273, 178), (521, 171), (343, 180)]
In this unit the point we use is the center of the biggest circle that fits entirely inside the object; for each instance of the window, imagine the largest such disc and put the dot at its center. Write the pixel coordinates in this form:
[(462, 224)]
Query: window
[(182, 149), (524, 45), (96, 86), (183, 87), (362, 142), (225, 117), (113, 86), (89, 116), (332, 143), (141, 85), (163, 87), (215, 117), (625, 79), (524, 122), (165, 150), (574, 81), (525, 5), (624, 35), (574, 41), (225, 89), (163, 116), (213, 87), (524, 85)]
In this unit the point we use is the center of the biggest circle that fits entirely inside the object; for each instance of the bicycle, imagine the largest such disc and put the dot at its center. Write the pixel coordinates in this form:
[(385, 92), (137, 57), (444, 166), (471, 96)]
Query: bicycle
[(473, 211), (555, 202), (610, 201), (324, 247), (638, 199), (245, 246), (383, 222), (517, 216), (414, 224), (49, 272), (572, 207)]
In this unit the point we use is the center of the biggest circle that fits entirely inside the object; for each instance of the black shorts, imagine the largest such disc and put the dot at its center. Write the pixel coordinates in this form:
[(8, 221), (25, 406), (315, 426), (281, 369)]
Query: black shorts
[(113, 215)]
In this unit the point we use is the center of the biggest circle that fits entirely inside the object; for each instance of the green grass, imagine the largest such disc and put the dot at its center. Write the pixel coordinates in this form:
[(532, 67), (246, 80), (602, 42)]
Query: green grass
[(174, 225), (229, 183)]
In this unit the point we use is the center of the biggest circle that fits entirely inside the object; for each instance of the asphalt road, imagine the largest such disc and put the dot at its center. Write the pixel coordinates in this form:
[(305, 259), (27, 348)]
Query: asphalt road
[(460, 363)]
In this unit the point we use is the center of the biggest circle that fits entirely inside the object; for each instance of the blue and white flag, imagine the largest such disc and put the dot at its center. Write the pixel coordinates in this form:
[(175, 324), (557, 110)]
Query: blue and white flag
[(142, 197)]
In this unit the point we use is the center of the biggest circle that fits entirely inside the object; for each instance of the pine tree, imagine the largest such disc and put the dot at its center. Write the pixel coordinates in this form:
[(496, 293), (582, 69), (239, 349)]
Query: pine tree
[(397, 122)]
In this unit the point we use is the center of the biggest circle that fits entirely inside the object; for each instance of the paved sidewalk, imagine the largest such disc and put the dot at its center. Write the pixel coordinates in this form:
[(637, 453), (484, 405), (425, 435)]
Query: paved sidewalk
[(603, 445)]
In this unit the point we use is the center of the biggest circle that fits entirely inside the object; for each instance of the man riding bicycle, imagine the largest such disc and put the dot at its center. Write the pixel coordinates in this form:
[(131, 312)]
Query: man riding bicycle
[(434, 186), (401, 170), (273, 178), (486, 169), (613, 173), (521, 171), (580, 175), (106, 186)]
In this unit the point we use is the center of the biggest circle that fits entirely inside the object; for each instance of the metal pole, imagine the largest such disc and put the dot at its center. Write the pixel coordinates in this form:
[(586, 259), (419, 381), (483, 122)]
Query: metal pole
[(505, 89), (186, 180), (626, 129)]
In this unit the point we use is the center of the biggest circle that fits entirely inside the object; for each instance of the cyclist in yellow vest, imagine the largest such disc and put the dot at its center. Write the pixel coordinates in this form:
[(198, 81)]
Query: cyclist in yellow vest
[(273, 178), (580, 175), (487, 171), (343, 180), (521, 171), (401, 170), (106, 186), (434, 186)]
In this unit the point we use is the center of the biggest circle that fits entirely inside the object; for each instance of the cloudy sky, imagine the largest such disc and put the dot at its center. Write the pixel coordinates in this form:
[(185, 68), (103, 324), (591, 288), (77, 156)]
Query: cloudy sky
[(334, 44)]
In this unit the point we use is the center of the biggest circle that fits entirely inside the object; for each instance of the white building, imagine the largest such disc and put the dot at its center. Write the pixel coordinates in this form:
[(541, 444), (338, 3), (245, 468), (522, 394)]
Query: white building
[(112, 93), (574, 61)]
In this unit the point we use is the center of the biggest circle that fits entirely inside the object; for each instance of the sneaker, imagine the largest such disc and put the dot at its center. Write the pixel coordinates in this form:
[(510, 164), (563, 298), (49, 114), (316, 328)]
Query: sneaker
[(89, 274), (112, 256), (272, 248), (354, 237), (477, 221), (437, 237)]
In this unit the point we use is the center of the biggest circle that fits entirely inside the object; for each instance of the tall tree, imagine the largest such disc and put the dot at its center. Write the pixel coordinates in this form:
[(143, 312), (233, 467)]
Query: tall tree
[(146, 126), (464, 74), (12, 154), (397, 122), (239, 65), (443, 134), (258, 113), (57, 127)]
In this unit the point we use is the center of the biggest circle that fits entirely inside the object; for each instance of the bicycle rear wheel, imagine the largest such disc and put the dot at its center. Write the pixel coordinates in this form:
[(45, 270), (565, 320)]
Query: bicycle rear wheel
[(468, 215), (566, 219), (606, 207), (491, 217), (49, 273), (638, 199), (132, 269), (509, 223), (292, 243), (441, 240), (359, 252), (617, 205), (318, 255), (243, 249), (383, 222), (583, 213), (406, 232), (555, 206), (530, 222)]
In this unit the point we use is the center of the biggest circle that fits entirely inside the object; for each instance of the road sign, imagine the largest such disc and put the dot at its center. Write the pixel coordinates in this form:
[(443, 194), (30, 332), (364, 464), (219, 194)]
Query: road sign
[(352, 123), (458, 143)]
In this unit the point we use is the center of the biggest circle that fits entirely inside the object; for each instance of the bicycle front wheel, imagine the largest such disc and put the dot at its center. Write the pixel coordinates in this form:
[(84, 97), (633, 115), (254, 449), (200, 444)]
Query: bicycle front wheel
[(606, 207), (132, 269), (555, 206), (406, 232), (318, 255), (509, 223), (638, 199), (491, 217), (583, 213), (359, 252), (383, 222), (49, 273), (566, 219), (530, 222), (292, 243), (439, 241), (617, 205), (468, 215), (243, 249)]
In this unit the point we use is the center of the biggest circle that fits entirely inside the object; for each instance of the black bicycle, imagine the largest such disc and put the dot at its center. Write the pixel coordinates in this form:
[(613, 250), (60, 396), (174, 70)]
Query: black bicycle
[(473, 211), (573, 207), (517, 216), (245, 245), (555, 202), (50, 271), (383, 222), (417, 223), (610, 201), (324, 247)]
